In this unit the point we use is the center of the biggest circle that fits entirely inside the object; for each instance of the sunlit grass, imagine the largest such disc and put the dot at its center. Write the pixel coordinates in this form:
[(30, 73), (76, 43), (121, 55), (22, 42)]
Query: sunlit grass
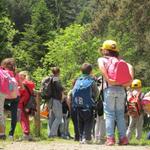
[(44, 136)]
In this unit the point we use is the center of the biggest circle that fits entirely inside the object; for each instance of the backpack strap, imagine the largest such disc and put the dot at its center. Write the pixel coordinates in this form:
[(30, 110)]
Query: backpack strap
[(26, 87)]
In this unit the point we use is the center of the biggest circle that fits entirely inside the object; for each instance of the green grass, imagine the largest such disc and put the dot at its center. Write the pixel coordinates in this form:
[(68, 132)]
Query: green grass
[(43, 136)]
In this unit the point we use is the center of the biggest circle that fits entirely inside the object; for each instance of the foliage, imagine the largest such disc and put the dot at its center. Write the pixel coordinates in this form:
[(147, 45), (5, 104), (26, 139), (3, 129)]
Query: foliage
[(7, 33), (68, 51)]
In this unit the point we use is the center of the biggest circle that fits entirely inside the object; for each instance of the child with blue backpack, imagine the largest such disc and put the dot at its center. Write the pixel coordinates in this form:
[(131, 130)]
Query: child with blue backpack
[(84, 95)]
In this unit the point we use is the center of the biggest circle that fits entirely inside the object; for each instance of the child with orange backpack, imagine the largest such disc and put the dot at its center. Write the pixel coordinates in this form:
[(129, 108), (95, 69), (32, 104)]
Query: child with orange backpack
[(134, 108)]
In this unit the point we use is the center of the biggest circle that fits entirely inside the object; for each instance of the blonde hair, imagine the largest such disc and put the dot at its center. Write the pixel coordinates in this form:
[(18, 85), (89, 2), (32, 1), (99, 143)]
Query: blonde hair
[(26, 74)]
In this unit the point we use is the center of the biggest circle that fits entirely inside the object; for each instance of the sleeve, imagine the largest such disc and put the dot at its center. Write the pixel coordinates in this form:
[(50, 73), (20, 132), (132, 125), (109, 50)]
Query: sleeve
[(24, 98)]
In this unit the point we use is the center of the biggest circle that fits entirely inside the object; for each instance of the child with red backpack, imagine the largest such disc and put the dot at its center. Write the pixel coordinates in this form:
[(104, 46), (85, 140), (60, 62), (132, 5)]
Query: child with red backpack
[(134, 109)]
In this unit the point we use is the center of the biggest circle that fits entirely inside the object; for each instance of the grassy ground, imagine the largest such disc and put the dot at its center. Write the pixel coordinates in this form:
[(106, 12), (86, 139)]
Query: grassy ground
[(43, 137)]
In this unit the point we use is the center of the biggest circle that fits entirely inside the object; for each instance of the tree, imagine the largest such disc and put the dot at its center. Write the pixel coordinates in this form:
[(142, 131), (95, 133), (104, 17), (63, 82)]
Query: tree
[(68, 51)]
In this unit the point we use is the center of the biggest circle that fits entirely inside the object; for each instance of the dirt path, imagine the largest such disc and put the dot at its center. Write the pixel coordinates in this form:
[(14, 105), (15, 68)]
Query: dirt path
[(64, 146)]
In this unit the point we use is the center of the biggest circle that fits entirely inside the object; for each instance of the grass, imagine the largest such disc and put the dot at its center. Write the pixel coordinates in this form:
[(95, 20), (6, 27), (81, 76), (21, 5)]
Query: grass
[(43, 136)]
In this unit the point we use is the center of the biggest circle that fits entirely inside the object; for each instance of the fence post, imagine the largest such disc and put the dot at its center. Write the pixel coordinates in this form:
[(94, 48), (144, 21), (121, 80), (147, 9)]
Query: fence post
[(37, 115)]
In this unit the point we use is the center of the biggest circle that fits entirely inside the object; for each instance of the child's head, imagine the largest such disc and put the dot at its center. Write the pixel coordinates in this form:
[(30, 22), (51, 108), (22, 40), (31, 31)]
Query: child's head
[(23, 75), (86, 68), (136, 84)]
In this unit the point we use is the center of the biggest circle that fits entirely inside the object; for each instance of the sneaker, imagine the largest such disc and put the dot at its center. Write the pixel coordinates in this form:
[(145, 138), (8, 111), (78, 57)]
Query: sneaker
[(123, 141), (110, 141), (10, 137), (84, 141)]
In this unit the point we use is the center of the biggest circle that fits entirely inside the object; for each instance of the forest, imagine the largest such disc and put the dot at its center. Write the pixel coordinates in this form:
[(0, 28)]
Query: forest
[(41, 34)]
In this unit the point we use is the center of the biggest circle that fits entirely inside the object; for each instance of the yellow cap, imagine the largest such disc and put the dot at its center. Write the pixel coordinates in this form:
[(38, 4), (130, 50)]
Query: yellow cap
[(110, 45), (136, 83)]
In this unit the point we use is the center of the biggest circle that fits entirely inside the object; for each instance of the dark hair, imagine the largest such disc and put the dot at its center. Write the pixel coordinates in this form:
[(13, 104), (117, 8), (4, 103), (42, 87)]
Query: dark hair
[(86, 68), (9, 63), (111, 53), (55, 70)]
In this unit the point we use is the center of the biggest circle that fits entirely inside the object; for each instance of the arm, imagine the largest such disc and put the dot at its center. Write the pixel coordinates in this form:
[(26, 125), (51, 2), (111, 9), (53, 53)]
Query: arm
[(69, 99), (104, 72)]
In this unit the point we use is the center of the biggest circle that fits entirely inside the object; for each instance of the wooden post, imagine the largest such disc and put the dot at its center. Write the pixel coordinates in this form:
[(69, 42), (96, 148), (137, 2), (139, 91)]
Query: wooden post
[(37, 115)]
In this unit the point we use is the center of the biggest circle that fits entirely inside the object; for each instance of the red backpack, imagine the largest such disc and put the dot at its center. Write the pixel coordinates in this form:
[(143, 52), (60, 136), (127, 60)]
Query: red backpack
[(118, 70), (134, 105)]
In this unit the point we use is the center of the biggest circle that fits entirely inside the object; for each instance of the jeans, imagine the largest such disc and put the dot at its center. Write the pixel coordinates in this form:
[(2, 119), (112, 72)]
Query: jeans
[(57, 112), (12, 105), (114, 107)]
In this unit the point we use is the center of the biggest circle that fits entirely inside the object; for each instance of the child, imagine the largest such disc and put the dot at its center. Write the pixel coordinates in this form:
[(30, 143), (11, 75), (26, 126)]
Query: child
[(135, 121), (65, 121), (24, 98)]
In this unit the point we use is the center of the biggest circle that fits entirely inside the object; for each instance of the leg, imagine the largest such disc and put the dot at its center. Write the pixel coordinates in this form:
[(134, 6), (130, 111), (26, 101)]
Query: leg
[(75, 123), (109, 110), (97, 128), (2, 120), (131, 127), (102, 128), (13, 109), (139, 127), (57, 110), (24, 121), (88, 123)]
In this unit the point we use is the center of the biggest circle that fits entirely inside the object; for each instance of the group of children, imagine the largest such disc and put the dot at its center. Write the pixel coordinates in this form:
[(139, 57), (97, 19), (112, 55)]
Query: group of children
[(80, 102)]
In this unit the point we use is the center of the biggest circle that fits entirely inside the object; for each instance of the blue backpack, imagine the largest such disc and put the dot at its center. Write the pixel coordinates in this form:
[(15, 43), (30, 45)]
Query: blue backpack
[(82, 93)]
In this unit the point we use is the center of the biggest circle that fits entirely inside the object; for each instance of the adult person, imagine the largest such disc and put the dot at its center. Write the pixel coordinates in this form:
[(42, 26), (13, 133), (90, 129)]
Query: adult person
[(114, 95), (55, 115), (84, 94), (11, 103)]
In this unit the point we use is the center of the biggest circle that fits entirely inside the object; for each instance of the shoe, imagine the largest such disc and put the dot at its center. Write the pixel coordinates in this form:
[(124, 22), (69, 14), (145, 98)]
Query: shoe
[(2, 137), (11, 138), (26, 137), (123, 141), (84, 141), (110, 141)]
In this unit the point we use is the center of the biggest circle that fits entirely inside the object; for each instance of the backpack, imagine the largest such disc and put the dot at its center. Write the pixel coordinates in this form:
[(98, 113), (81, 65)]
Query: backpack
[(118, 70), (30, 107), (99, 104), (46, 89), (134, 105), (81, 93), (8, 85)]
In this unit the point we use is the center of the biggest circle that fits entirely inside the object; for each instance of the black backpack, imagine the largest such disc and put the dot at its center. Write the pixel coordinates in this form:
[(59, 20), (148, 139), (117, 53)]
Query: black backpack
[(31, 105), (46, 89), (99, 103)]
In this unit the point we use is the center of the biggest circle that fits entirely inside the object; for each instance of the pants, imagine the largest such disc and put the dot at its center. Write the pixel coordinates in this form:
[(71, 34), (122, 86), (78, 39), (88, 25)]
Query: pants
[(114, 106), (12, 106), (100, 130), (57, 112), (137, 125), (25, 123), (75, 123), (85, 121), (2, 118), (64, 127)]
